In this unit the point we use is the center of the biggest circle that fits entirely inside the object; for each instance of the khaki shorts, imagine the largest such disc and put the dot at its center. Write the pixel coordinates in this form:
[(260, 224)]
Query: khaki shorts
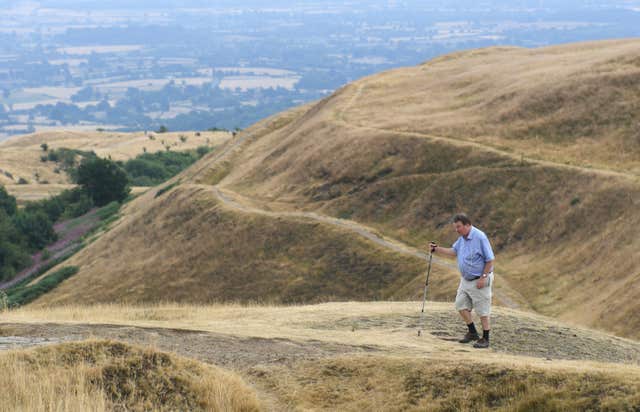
[(470, 297)]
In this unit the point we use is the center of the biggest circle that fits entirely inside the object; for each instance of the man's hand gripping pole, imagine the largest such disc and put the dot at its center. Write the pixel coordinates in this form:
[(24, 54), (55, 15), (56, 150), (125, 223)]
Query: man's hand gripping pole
[(432, 247)]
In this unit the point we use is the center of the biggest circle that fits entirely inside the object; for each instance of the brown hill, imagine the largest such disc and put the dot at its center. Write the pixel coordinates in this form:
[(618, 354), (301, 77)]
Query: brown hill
[(539, 146)]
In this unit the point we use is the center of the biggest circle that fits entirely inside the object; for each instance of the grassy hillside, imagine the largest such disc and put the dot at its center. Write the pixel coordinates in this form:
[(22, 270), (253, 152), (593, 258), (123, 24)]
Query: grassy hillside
[(212, 253), (538, 146), (574, 103), (400, 152), (20, 156)]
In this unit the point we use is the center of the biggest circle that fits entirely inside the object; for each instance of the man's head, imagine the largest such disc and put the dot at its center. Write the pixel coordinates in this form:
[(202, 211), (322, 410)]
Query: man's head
[(462, 224)]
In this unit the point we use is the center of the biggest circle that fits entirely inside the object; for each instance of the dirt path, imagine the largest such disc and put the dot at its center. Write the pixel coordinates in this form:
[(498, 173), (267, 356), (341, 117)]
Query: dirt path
[(341, 118), (513, 333), (504, 293), (228, 351)]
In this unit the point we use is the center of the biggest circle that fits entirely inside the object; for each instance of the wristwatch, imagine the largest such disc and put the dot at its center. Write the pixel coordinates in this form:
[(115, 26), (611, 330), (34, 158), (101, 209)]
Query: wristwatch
[(484, 275)]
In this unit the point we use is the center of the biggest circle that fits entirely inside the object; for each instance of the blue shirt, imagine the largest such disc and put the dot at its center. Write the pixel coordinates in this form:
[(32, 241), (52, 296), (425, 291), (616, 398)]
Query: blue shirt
[(472, 253)]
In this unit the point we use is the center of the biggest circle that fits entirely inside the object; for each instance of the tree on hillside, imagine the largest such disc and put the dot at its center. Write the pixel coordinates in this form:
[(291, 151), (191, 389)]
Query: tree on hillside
[(7, 202), (36, 228), (103, 180), (13, 255)]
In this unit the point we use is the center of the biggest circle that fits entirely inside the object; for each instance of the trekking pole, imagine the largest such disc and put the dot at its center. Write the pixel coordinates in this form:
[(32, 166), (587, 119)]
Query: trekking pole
[(424, 298)]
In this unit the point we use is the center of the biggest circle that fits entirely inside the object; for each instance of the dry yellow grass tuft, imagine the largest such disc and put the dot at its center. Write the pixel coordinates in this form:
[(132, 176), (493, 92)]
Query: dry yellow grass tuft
[(104, 375)]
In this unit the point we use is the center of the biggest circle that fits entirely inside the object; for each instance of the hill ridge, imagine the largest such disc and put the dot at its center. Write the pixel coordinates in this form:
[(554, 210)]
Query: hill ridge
[(340, 118)]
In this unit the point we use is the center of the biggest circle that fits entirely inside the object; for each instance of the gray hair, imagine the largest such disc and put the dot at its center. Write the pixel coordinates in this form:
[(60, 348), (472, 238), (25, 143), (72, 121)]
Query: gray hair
[(462, 218)]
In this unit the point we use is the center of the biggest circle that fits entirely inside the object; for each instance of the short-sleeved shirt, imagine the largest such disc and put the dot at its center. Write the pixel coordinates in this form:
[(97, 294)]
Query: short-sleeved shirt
[(473, 252)]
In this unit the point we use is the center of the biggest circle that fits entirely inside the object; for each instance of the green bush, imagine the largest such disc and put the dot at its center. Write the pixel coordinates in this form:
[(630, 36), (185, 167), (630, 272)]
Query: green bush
[(24, 294), (13, 248), (68, 204), (202, 150), (152, 169), (36, 228), (103, 180), (109, 210), (7, 202)]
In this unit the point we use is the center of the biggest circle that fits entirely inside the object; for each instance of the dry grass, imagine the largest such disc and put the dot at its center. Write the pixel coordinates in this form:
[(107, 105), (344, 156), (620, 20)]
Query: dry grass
[(390, 326), (212, 253), (102, 375), (366, 153), (409, 187), (20, 155), (31, 192), (377, 383), (401, 371), (571, 104), (374, 152)]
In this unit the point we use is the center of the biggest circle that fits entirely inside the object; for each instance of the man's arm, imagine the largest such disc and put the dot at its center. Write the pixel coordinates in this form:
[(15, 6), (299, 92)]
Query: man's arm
[(442, 250), (488, 268)]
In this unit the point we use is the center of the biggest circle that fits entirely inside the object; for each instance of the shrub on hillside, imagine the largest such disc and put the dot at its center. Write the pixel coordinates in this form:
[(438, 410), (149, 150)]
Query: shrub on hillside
[(68, 204), (36, 228), (7, 202), (13, 253), (151, 169), (26, 294), (68, 159)]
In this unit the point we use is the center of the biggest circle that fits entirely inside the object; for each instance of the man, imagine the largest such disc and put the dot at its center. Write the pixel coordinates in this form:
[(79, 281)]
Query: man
[(475, 261)]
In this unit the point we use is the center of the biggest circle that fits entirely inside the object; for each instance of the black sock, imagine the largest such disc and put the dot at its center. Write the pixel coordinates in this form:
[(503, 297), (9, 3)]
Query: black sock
[(472, 328), (485, 334)]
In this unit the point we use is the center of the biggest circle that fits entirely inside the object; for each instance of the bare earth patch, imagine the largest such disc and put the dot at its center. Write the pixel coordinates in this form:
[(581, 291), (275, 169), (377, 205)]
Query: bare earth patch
[(215, 348)]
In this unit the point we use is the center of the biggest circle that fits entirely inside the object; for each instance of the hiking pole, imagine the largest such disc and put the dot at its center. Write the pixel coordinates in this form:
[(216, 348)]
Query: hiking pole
[(424, 298)]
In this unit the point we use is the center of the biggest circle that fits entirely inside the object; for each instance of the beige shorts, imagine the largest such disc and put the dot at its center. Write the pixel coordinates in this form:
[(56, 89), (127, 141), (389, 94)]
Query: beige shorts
[(470, 297)]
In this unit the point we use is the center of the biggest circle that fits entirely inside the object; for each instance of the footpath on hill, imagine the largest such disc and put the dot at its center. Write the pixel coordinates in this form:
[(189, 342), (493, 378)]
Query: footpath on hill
[(504, 294), (314, 332), (340, 117)]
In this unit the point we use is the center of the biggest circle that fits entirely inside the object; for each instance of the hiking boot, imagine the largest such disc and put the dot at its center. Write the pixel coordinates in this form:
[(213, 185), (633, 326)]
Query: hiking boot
[(481, 344), (468, 337)]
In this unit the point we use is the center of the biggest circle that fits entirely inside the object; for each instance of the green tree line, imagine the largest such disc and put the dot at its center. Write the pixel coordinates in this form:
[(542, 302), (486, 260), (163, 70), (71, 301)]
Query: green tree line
[(24, 231)]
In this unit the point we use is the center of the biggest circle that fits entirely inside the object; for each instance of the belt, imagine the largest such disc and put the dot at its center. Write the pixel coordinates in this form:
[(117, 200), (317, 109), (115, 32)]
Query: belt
[(477, 277)]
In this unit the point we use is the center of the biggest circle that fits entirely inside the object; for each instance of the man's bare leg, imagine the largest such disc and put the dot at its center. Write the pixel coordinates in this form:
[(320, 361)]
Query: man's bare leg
[(485, 322), (466, 315)]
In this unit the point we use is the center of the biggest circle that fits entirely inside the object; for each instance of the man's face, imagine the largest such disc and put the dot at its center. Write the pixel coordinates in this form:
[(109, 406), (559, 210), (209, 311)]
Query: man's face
[(461, 229)]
